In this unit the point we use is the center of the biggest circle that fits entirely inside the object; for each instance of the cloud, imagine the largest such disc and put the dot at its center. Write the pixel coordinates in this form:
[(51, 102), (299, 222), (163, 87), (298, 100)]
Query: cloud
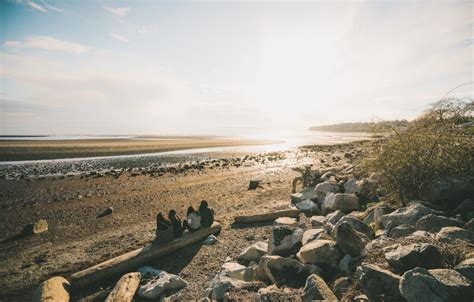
[(37, 6), (119, 11), (119, 37), (51, 7), (48, 43)]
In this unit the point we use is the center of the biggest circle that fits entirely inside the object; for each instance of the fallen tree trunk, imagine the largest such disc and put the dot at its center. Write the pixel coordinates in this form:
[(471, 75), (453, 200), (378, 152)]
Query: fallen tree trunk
[(131, 260), (267, 216), (54, 289), (125, 288)]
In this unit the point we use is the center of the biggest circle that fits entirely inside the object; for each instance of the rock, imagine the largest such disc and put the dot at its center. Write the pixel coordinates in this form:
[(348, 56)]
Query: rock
[(55, 289), (434, 223), (378, 242), (334, 217), (418, 285), (408, 215), (244, 274), (254, 252), (125, 288), (162, 283), (401, 231), (253, 184), (464, 207), (420, 234), (316, 289), (221, 284), (273, 293), (324, 188), (345, 264), (340, 286), (448, 234), (340, 201), (305, 194), (466, 268), (317, 221), (348, 240), (286, 221), (450, 190), (231, 266), (210, 240), (312, 234), (284, 240), (361, 298), (320, 252), (354, 186), (106, 212), (286, 271), (379, 284), (457, 286), (470, 225), (406, 257), (37, 227), (308, 207), (356, 224)]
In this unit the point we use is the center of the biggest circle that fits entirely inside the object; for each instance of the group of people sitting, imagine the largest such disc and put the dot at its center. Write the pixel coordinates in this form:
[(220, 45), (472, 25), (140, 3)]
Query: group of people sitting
[(203, 217)]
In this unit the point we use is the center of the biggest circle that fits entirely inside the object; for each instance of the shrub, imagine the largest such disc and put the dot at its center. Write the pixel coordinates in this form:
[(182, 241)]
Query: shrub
[(439, 143)]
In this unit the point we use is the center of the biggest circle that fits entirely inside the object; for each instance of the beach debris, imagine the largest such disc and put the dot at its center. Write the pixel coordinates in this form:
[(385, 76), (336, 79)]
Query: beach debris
[(284, 240), (37, 227), (125, 288), (159, 283), (254, 184), (264, 217), (210, 240), (254, 252), (317, 289), (106, 212), (55, 289)]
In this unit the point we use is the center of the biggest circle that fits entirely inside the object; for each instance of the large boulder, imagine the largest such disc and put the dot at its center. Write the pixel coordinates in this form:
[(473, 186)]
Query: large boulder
[(348, 240), (458, 287), (254, 252), (221, 284), (284, 240), (407, 215), (312, 234), (418, 285), (379, 284), (448, 234), (354, 186), (434, 223), (406, 257), (324, 188), (308, 207), (470, 225), (400, 231), (317, 289), (55, 289), (237, 271), (356, 224), (466, 268), (159, 283), (450, 191), (340, 201), (320, 252), (286, 271), (308, 193)]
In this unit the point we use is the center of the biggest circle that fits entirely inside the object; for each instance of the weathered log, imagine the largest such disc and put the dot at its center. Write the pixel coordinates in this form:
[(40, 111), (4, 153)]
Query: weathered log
[(267, 216), (55, 289), (125, 288), (127, 262)]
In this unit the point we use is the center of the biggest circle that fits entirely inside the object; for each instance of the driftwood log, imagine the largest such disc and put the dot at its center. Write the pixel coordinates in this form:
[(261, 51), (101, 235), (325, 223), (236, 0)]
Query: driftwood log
[(55, 289), (267, 216), (125, 288), (131, 260)]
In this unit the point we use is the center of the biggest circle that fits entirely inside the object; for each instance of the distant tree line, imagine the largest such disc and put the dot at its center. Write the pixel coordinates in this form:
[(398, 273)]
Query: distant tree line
[(363, 127)]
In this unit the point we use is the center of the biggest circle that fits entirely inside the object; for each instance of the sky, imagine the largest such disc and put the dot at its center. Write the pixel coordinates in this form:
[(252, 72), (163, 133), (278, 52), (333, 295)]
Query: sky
[(227, 67)]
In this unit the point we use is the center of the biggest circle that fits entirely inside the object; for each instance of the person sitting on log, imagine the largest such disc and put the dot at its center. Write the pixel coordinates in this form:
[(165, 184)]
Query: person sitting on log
[(193, 219), (162, 223), (207, 214), (176, 223)]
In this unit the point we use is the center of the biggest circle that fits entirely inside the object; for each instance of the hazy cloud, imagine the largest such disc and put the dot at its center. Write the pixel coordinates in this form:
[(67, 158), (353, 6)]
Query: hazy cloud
[(48, 43), (119, 37), (119, 11), (37, 6)]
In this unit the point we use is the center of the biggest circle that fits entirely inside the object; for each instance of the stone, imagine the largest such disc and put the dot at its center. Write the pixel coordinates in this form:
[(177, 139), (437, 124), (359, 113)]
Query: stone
[(324, 188), (450, 190), (317, 289), (286, 221), (465, 206), (286, 271), (448, 234), (210, 240), (345, 264), (55, 289), (466, 268), (284, 240), (254, 252), (418, 285), (401, 231), (308, 207), (106, 212), (161, 283), (354, 186), (273, 293), (406, 257), (312, 234), (418, 234), (356, 224), (407, 215), (361, 298), (320, 252), (253, 184), (305, 194), (378, 242), (221, 284), (317, 221), (434, 223), (334, 217), (457, 286), (231, 266), (125, 288), (244, 274), (469, 225), (379, 284), (340, 286), (348, 240), (37, 227), (340, 201)]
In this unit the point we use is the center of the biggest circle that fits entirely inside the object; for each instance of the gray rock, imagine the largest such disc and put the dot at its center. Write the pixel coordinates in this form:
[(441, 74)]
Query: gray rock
[(354, 186), (406, 257), (320, 252), (379, 284), (221, 284), (348, 240), (457, 286), (316, 289), (356, 224), (450, 190), (273, 293), (284, 240), (340, 201), (286, 221), (434, 223), (466, 268), (37, 227), (334, 217), (345, 264), (254, 252), (465, 207), (401, 231), (312, 234), (317, 221), (308, 207), (448, 234), (361, 298), (340, 286), (470, 225), (286, 271), (408, 215), (162, 283), (322, 189), (308, 193), (418, 285), (377, 243)]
